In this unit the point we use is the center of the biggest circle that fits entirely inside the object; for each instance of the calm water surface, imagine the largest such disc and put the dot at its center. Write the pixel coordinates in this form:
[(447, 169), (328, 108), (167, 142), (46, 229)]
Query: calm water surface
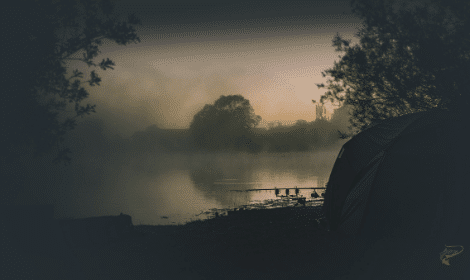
[(176, 188), (193, 184)]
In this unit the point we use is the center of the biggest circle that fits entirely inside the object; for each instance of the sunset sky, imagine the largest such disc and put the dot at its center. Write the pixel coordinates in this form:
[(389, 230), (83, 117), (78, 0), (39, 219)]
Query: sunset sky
[(271, 52)]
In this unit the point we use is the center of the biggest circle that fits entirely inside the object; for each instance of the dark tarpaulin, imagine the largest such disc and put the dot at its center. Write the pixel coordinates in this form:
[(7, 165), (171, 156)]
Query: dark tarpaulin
[(405, 205), (355, 159)]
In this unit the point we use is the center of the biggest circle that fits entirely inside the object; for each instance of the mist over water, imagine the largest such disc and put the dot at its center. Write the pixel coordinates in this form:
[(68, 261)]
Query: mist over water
[(109, 175)]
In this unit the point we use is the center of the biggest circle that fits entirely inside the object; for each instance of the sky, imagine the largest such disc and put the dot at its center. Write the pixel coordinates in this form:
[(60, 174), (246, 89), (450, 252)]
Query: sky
[(270, 52)]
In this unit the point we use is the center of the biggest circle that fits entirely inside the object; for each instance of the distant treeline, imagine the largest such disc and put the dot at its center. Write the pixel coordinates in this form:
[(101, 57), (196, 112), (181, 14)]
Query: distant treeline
[(301, 136)]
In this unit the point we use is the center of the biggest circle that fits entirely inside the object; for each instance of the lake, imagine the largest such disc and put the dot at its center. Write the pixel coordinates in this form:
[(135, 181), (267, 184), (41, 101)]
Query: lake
[(175, 188)]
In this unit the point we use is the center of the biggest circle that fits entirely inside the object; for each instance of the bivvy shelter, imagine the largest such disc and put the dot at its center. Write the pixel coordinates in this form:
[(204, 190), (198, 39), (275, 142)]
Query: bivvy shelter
[(404, 184)]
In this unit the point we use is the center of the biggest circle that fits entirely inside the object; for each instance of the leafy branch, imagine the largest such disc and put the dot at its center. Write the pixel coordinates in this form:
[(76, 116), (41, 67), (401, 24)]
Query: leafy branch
[(57, 32)]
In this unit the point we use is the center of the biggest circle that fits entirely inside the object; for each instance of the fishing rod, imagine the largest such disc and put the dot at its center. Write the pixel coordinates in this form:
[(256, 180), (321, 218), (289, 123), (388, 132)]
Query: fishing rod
[(249, 190)]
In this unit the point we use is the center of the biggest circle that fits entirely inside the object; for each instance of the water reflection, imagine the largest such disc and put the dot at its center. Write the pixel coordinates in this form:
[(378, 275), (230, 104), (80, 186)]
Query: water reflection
[(226, 178), (215, 184), (172, 188)]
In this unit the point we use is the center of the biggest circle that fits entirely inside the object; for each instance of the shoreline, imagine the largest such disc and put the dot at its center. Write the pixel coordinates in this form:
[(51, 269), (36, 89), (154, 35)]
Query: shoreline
[(250, 244), (285, 243), (281, 243)]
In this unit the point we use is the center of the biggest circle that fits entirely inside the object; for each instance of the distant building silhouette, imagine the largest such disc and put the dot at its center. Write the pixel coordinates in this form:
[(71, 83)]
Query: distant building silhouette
[(320, 112)]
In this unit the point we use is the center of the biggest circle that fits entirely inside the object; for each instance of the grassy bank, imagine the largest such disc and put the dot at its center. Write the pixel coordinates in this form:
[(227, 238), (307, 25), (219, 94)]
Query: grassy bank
[(254, 244), (280, 243), (283, 243)]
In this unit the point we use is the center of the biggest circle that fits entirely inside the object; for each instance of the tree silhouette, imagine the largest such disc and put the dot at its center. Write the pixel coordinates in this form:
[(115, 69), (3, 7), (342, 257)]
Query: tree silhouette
[(40, 99), (226, 124), (341, 121), (412, 56)]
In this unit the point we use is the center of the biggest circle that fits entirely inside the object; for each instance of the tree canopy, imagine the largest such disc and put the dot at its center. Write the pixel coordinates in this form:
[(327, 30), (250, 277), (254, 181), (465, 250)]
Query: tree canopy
[(412, 56), (227, 123), (41, 99)]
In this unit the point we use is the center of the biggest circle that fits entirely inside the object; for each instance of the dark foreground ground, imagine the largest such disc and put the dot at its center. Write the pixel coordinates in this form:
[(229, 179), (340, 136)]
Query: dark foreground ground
[(286, 243), (256, 244)]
